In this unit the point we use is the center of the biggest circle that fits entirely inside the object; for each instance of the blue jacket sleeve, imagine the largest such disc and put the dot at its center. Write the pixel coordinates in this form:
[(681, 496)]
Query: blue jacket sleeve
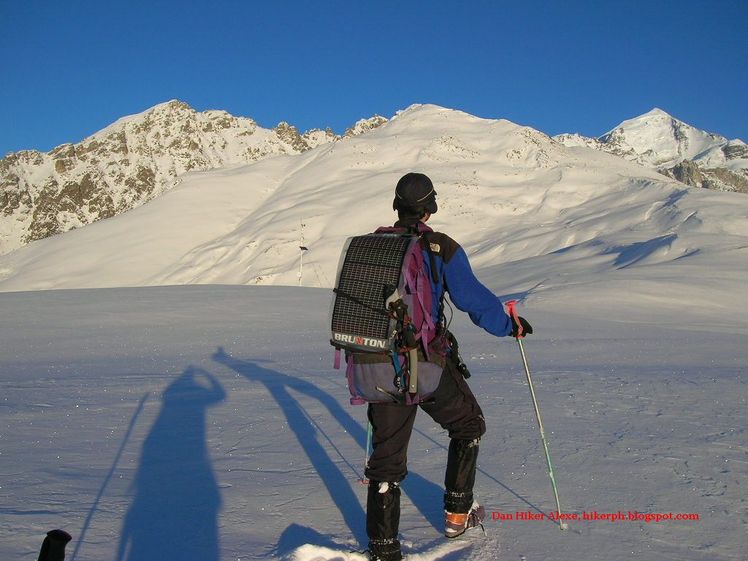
[(469, 295)]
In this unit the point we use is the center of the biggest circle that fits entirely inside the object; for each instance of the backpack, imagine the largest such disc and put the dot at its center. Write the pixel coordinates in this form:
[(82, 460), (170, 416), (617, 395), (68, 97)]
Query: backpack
[(381, 316)]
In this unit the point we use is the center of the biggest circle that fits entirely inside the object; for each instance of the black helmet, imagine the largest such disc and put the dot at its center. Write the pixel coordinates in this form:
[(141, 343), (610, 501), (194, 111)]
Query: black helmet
[(415, 194)]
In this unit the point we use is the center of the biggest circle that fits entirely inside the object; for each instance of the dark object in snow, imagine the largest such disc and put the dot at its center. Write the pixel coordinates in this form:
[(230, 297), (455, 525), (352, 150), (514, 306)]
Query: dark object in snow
[(53, 547)]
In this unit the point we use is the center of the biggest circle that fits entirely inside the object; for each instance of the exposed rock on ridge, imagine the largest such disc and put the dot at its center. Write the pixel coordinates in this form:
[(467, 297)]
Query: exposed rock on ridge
[(365, 125)]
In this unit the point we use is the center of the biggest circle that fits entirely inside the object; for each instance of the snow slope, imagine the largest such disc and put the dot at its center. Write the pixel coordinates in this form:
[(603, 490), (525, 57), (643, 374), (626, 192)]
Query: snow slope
[(205, 423)]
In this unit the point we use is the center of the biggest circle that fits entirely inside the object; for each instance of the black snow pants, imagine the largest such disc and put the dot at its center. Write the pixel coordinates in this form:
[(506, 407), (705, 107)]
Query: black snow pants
[(455, 408)]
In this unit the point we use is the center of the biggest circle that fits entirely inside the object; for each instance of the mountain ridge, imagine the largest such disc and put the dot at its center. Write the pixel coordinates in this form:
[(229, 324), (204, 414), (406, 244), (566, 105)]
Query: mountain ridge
[(534, 216), (132, 161), (140, 157)]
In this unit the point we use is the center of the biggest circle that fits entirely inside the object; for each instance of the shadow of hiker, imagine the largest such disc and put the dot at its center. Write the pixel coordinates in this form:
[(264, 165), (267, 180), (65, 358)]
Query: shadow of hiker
[(174, 514), (422, 491), (279, 384)]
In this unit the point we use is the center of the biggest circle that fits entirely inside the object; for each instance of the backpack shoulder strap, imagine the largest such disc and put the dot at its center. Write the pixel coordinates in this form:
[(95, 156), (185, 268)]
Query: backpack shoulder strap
[(432, 260)]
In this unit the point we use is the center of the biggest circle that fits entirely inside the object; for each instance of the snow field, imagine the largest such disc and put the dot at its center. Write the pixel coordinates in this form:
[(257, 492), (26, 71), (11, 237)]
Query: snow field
[(208, 420)]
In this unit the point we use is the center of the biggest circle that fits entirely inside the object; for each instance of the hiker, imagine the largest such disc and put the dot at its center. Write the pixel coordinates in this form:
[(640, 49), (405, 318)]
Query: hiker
[(452, 404)]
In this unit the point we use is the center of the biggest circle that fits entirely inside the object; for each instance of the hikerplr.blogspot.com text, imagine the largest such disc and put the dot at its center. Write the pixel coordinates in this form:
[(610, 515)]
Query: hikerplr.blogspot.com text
[(595, 516)]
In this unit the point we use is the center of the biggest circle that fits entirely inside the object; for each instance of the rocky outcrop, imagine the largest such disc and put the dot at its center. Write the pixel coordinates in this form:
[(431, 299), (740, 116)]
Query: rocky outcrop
[(687, 172), (365, 125), (303, 142)]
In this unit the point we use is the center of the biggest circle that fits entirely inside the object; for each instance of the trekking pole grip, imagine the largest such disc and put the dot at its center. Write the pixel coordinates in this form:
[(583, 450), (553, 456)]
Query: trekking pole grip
[(511, 309)]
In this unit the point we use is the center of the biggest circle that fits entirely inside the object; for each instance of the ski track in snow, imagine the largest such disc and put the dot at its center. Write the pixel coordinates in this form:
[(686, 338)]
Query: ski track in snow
[(208, 421)]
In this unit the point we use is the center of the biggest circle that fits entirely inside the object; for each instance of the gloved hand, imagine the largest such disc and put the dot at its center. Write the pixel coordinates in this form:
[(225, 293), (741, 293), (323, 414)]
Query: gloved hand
[(526, 327)]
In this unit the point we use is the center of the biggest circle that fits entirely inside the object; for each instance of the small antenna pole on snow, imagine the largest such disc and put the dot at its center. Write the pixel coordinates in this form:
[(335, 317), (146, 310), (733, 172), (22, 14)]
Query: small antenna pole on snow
[(302, 249)]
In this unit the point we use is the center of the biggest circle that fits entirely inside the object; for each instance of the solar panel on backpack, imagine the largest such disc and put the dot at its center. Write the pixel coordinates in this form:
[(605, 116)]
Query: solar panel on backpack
[(370, 271)]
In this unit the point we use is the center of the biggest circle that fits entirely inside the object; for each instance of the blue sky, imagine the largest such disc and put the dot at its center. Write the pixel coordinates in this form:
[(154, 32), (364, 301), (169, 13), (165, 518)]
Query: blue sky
[(70, 68)]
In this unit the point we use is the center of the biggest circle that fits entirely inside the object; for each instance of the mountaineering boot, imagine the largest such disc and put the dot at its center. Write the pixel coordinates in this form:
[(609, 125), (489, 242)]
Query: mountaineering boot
[(455, 524), (460, 510), (383, 521), (458, 482)]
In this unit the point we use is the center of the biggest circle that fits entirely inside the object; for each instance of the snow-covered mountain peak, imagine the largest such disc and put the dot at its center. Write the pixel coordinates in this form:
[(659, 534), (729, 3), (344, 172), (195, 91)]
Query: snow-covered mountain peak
[(656, 112), (653, 117), (417, 110), (657, 139), (173, 108)]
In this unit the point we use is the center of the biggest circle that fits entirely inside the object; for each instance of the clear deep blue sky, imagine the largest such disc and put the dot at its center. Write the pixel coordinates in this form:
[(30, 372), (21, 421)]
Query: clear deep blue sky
[(71, 67)]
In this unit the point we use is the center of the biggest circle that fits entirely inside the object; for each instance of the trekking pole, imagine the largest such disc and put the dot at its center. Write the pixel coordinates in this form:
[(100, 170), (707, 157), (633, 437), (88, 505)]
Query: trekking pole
[(511, 308), (369, 430)]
